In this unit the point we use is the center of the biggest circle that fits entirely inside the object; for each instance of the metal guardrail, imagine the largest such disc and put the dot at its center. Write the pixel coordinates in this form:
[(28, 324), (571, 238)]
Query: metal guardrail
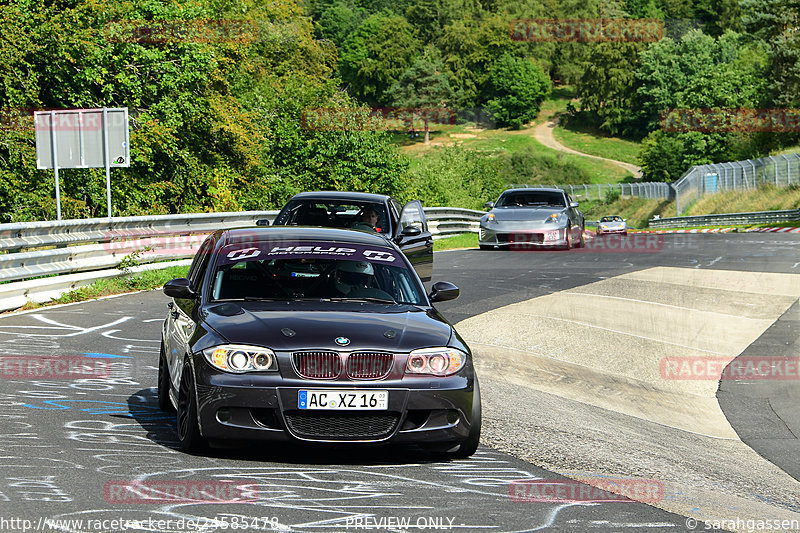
[(446, 221), (148, 240), (760, 217)]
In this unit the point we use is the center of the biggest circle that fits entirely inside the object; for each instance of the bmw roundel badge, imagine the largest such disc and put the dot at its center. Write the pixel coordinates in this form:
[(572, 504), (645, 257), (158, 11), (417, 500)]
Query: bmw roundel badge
[(342, 341)]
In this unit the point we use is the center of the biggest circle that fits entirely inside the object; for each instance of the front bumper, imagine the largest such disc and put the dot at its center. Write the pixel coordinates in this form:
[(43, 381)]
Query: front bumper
[(264, 406), (611, 231), (512, 237)]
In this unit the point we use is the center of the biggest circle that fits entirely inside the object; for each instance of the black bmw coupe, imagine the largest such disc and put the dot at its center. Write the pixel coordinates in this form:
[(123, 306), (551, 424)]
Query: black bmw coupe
[(317, 335)]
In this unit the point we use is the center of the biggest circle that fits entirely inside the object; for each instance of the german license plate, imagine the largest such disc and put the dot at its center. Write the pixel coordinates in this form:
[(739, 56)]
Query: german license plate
[(551, 236), (343, 400)]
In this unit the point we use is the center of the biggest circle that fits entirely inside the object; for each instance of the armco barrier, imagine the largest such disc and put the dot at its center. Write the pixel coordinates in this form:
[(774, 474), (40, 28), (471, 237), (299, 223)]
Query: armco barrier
[(760, 217), (81, 251)]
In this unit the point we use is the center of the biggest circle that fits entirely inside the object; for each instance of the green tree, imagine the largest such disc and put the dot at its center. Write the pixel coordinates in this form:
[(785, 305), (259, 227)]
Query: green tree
[(424, 88), (376, 55), (469, 48), (516, 89), (339, 20), (607, 87)]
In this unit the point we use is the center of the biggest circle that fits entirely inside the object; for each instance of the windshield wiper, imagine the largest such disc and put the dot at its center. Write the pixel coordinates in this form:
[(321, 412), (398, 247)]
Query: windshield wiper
[(370, 300), (262, 299)]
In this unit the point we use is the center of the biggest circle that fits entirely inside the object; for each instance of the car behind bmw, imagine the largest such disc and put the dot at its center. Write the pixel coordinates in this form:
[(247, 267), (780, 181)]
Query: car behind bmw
[(532, 218), (612, 224)]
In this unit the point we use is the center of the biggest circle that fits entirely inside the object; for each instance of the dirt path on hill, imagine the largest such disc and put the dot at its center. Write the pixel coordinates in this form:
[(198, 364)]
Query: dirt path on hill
[(544, 134)]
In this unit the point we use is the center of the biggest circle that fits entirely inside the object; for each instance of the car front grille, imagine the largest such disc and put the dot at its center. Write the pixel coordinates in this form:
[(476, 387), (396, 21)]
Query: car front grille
[(341, 426), (532, 238), (369, 365), (318, 365)]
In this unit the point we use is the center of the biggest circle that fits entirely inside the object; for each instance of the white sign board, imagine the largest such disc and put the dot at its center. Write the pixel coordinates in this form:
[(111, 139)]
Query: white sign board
[(79, 137), (82, 138)]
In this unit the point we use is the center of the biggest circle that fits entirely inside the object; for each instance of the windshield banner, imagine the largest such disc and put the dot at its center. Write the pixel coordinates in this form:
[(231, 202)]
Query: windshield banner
[(260, 251)]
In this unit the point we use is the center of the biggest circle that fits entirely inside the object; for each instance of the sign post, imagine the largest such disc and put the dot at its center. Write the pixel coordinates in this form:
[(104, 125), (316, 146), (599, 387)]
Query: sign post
[(82, 138)]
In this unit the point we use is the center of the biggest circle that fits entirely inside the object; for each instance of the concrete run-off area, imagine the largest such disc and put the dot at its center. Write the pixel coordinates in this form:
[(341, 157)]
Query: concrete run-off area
[(591, 361)]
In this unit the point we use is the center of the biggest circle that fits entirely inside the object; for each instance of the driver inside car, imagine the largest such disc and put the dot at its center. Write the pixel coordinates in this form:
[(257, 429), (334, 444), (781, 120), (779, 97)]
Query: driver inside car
[(356, 279), (368, 220)]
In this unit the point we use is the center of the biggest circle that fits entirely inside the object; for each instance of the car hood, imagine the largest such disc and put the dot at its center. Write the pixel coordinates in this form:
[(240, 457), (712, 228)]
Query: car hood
[(403, 329), (511, 214), (612, 224)]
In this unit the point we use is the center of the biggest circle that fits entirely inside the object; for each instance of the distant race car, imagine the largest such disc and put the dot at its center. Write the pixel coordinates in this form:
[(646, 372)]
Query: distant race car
[(535, 218), (405, 225), (317, 335), (612, 224)]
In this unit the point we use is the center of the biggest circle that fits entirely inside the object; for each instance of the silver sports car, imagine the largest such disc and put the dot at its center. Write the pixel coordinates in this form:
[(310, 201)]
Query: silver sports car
[(612, 224), (532, 218)]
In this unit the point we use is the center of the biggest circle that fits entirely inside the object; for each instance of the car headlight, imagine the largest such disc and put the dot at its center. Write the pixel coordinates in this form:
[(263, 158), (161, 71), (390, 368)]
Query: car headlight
[(604, 226), (554, 218), (491, 217), (238, 358), (437, 361)]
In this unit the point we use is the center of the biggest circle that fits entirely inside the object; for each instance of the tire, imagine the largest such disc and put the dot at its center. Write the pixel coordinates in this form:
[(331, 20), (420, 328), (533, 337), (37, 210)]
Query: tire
[(569, 238), (486, 247), (582, 241), (470, 444), (189, 438), (164, 402)]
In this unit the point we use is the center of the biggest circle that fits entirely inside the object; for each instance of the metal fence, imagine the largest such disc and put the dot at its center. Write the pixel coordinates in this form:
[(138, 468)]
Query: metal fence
[(747, 175), (599, 191), (73, 253)]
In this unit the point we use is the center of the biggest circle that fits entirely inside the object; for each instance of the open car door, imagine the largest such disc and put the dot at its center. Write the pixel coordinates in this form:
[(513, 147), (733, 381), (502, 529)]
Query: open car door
[(415, 240)]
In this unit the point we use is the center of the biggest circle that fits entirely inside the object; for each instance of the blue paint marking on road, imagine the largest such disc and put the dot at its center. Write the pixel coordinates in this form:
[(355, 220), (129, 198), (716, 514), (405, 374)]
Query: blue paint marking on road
[(56, 405), (106, 355)]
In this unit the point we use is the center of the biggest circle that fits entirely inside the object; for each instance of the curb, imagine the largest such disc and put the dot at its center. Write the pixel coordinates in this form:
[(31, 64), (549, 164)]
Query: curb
[(723, 230)]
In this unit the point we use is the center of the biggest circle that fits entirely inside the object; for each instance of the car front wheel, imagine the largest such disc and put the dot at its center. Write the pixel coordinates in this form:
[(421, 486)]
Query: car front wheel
[(189, 438)]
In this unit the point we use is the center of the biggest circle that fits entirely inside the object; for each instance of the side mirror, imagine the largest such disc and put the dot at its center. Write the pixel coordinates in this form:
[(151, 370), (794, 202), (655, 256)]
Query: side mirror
[(441, 291), (408, 231), (179, 288), (574, 204), (262, 222), (489, 205)]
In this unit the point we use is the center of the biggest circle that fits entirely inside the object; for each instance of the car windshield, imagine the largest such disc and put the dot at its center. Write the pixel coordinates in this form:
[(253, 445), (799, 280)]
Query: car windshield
[(531, 199), (368, 216), (607, 219), (323, 271)]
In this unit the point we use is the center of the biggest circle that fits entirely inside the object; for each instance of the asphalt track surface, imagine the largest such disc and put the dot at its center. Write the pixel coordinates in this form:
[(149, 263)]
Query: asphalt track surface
[(67, 444)]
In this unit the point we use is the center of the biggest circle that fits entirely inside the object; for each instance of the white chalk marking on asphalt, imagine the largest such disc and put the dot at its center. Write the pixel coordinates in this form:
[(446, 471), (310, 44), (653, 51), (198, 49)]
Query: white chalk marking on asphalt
[(60, 326), (109, 335)]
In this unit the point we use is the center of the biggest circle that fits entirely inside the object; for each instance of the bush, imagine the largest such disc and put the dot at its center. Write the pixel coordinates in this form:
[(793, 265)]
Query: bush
[(516, 90)]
